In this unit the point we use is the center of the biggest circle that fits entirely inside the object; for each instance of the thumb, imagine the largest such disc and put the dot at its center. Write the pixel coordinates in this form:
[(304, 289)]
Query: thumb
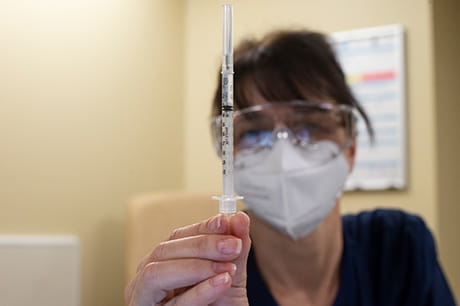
[(239, 227)]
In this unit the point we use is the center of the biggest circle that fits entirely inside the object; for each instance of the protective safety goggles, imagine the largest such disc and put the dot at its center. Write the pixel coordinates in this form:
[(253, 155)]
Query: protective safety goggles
[(304, 123)]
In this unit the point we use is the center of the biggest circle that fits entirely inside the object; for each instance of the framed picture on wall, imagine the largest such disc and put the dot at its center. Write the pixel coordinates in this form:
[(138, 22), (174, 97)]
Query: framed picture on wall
[(373, 61)]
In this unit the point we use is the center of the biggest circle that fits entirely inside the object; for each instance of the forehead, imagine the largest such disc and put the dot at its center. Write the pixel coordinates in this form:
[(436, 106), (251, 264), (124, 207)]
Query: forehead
[(253, 97)]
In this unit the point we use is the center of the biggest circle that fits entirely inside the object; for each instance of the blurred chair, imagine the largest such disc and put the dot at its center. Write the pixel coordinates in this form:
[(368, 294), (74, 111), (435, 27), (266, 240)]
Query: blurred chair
[(152, 217)]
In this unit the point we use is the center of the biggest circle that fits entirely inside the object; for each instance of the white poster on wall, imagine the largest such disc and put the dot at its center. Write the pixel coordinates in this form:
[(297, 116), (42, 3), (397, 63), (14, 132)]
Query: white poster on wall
[(373, 61)]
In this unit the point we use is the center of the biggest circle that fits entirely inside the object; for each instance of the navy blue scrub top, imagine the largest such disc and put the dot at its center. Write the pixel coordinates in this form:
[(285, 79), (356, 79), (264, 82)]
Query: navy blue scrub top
[(389, 259)]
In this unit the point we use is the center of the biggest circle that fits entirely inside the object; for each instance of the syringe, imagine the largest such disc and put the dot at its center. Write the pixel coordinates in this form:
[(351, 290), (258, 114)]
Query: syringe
[(227, 204)]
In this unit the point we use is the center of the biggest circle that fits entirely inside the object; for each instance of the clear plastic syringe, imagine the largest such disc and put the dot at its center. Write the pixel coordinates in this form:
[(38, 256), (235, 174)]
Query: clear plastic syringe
[(227, 203)]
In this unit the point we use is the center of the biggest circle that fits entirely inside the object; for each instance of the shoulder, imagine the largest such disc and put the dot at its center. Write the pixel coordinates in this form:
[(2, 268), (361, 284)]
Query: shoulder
[(388, 218), (392, 248), (387, 227), (394, 258), (392, 240)]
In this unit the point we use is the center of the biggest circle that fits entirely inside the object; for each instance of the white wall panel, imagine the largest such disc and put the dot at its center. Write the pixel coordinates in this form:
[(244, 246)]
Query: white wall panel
[(39, 270)]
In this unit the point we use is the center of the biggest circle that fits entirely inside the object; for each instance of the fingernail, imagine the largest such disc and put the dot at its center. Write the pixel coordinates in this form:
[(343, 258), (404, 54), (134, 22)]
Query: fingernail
[(230, 246), (233, 271), (243, 214), (220, 279), (220, 267), (215, 224)]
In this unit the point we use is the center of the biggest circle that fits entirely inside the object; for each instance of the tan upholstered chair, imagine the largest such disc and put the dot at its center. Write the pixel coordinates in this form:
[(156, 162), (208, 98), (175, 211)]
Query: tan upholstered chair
[(151, 218)]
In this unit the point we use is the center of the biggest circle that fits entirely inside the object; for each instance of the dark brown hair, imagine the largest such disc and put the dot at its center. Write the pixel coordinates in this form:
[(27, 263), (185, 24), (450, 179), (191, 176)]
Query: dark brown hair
[(285, 66)]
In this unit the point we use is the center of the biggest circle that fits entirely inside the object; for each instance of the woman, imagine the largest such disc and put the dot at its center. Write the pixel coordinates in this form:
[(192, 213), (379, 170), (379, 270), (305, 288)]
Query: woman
[(294, 147)]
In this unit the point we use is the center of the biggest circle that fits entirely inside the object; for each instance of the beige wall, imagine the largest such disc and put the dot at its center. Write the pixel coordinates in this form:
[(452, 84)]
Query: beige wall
[(87, 89), (447, 82)]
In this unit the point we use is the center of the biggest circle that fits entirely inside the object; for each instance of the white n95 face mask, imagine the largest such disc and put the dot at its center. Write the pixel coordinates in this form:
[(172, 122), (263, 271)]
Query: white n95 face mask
[(286, 189)]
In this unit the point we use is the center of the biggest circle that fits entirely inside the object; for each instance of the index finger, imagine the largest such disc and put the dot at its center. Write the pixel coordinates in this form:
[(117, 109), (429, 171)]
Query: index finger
[(214, 225), (218, 224)]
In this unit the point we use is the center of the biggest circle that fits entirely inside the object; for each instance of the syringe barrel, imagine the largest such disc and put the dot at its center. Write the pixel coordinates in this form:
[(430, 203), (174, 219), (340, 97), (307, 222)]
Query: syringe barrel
[(227, 156), (227, 133)]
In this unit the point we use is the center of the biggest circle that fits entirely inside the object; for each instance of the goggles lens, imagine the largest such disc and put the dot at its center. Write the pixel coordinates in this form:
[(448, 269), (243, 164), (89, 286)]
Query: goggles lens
[(304, 123)]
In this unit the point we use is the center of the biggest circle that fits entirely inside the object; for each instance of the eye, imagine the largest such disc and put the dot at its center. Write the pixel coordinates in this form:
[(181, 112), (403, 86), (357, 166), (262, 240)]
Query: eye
[(255, 138), (310, 133), (248, 138)]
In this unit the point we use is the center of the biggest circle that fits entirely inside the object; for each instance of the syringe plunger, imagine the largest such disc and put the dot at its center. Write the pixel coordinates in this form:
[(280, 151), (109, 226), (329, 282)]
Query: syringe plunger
[(227, 38)]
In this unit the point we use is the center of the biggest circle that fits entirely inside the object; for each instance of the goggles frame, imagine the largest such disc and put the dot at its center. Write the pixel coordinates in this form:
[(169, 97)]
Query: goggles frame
[(348, 115)]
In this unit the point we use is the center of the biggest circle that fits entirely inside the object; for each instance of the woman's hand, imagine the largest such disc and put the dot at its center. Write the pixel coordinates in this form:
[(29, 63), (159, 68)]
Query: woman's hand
[(201, 264)]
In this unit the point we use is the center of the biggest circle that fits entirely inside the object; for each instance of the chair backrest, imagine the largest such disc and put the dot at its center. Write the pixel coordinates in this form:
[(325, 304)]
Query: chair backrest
[(152, 217)]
